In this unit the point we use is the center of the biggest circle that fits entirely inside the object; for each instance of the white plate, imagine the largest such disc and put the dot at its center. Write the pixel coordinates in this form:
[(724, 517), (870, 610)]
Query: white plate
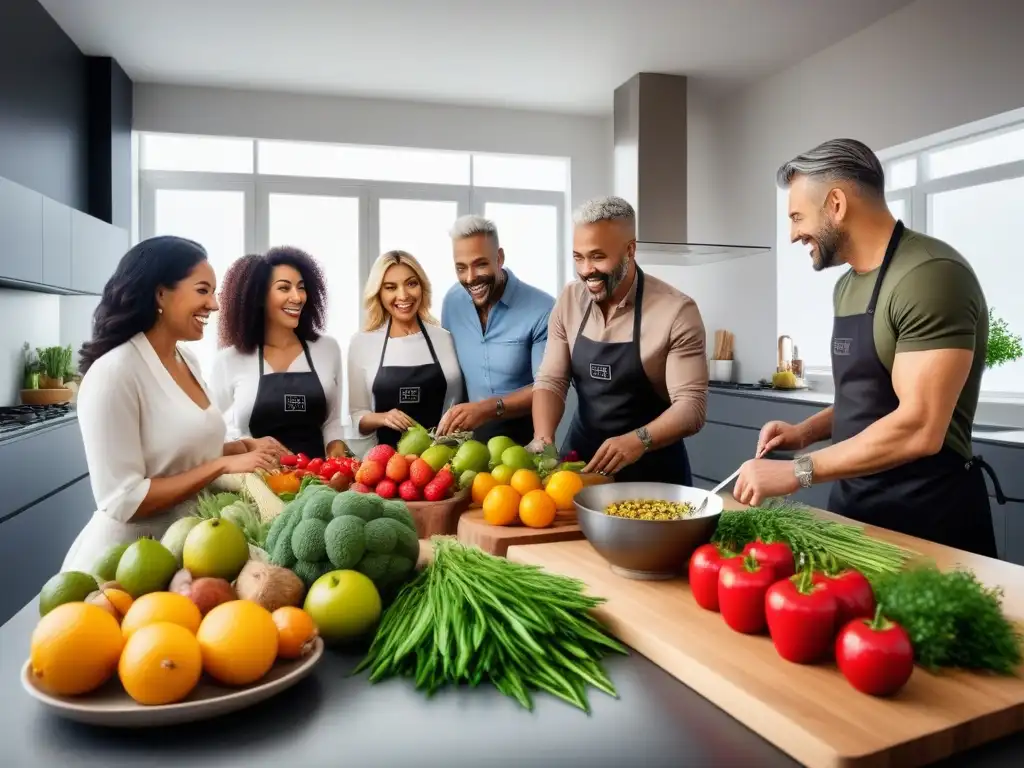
[(111, 706)]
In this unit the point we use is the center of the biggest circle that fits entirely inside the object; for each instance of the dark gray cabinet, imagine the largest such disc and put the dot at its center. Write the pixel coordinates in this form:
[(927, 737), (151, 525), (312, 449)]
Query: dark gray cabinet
[(21, 233), (56, 244), (96, 248)]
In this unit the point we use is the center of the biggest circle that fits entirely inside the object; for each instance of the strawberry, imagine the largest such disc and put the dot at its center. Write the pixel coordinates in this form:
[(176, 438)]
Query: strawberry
[(386, 489), (434, 491), (360, 488), (379, 453), (420, 473), (408, 491), (445, 477), (370, 473), (397, 468)]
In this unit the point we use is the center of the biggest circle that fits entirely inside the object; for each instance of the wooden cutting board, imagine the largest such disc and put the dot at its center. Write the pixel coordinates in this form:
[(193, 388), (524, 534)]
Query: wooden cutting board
[(496, 539), (810, 712)]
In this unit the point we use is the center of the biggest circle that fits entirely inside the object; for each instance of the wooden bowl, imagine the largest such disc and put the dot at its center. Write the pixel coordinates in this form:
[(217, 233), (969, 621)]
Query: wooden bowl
[(46, 396), (439, 518)]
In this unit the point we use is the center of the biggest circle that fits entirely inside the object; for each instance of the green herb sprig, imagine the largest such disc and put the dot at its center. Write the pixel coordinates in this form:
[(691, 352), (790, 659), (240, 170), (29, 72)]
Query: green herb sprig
[(469, 617), (953, 619)]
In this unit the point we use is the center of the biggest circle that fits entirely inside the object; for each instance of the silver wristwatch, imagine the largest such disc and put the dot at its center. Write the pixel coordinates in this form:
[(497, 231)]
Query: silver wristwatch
[(645, 438), (803, 468)]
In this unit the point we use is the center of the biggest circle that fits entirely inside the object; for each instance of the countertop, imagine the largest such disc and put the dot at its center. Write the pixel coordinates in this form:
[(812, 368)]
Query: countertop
[(40, 426), (981, 433)]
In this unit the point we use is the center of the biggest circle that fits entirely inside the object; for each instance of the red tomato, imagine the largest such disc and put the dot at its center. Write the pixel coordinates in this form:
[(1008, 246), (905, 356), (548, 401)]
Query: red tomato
[(302, 461), (742, 585), (854, 597), (801, 617), (315, 465), (777, 554), (705, 564), (875, 655), (289, 461), (300, 473)]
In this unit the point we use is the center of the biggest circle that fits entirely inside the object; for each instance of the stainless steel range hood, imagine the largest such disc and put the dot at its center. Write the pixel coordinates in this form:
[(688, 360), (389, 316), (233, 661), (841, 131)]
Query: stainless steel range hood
[(651, 172)]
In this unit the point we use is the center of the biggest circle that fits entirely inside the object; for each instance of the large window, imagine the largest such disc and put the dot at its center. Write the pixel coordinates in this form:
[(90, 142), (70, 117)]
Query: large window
[(968, 193), (346, 205)]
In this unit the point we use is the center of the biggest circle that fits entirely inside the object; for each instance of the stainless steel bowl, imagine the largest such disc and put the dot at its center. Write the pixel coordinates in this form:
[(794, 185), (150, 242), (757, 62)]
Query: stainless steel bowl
[(645, 549)]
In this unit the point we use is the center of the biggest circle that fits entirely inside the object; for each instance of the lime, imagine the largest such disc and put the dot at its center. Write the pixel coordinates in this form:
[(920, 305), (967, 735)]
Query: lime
[(343, 604), (66, 587), (502, 474), (146, 566), (437, 456), (106, 567), (497, 446), (517, 457), (466, 479), (471, 456)]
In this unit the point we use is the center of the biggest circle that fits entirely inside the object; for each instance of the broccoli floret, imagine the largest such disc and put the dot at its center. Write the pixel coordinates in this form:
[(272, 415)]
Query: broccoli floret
[(276, 526), (385, 570), (345, 541), (396, 510), (308, 540), (389, 537), (366, 506), (309, 572), (282, 552), (318, 506)]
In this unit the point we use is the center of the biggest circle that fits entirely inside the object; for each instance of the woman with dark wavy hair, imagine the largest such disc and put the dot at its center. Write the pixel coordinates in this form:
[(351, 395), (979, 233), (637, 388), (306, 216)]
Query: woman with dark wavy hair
[(152, 437), (277, 376)]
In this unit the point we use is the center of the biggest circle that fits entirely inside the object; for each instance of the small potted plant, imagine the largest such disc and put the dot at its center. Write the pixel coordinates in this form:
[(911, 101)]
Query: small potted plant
[(56, 362), (33, 369), (1003, 346)]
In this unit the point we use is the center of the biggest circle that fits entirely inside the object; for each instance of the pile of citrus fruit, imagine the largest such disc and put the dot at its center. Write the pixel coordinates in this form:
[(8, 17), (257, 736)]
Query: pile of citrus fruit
[(162, 645), (519, 496)]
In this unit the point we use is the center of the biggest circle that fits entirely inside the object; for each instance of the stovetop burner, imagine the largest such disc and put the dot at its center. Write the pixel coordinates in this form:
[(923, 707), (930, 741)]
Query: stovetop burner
[(738, 385), (18, 416)]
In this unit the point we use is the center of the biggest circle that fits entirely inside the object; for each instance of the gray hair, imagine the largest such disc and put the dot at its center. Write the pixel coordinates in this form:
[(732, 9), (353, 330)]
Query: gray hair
[(471, 226), (605, 209), (838, 160)]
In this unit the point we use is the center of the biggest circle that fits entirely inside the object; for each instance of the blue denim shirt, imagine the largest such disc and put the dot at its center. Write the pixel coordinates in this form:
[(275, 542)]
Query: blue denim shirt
[(506, 356)]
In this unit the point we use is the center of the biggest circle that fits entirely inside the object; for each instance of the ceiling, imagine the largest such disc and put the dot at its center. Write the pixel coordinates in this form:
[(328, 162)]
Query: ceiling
[(559, 55)]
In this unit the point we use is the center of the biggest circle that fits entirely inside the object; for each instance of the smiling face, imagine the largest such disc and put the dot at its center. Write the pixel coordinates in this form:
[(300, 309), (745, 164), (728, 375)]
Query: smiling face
[(401, 292), (187, 306), (286, 296), (478, 263), (815, 219), (602, 252)]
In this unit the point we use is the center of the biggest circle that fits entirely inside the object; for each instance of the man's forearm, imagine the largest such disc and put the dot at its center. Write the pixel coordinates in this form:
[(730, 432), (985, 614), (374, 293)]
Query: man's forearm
[(682, 419), (518, 403), (548, 408), (816, 428), (891, 441)]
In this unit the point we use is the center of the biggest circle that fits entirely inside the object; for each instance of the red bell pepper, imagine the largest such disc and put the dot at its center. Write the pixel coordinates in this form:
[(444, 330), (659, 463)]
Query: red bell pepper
[(301, 461), (875, 655), (289, 460), (854, 597), (801, 618), (315, 465), (742, 585), (705, 564), (777, 554)]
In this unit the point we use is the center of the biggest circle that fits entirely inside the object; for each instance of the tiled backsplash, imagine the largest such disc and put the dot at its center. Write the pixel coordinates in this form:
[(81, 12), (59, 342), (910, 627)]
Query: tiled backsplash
[(43, 321)]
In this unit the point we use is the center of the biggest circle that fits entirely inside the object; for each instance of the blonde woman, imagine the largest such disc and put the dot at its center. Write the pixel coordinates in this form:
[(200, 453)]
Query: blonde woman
[(402, 368)]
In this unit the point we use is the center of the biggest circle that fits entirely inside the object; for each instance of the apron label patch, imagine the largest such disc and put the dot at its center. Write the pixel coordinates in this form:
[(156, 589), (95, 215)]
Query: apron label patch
[(294, 403), (600, 372), (842, 347), (408, 395)]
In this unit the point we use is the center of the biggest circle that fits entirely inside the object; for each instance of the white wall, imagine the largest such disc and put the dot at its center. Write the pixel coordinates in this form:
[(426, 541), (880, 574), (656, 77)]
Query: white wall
[(931, 66)]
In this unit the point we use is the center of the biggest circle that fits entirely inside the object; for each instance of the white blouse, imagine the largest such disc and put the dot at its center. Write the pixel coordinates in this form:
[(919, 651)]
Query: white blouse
[(137, 423), (235, 379), (364, 360)]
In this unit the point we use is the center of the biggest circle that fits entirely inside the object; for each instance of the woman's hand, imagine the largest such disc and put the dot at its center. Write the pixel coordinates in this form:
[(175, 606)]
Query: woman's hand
[(396, 420), (266, 443), (250, 461)]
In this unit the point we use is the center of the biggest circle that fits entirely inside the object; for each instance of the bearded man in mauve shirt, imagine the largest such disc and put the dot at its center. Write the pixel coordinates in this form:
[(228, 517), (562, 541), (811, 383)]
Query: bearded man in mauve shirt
[(634, 349)]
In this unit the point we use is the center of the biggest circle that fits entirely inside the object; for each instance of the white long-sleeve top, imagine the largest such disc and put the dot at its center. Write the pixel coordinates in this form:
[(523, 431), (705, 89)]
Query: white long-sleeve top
[(235, 379), (364, 361), (137, 424)]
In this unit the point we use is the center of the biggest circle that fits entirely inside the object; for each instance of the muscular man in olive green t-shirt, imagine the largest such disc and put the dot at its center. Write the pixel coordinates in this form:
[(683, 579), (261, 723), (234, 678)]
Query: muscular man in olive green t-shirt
[(909, 337), (930, 299)]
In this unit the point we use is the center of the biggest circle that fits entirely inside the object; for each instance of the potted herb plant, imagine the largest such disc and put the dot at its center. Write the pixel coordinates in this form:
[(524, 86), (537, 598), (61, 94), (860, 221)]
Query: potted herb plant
[(32, 368), (56, 362), (1003, 346)]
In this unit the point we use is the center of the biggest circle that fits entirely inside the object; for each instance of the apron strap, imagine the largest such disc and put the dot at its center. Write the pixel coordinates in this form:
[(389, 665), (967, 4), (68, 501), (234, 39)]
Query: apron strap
[(309, 357), (637, 306), (384, 346), (1001, 497), (259, 353), (426, 337), (387, 335), (890, 251)]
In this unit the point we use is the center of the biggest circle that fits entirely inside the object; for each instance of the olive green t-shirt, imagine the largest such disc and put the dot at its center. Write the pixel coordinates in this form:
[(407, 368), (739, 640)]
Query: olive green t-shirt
[(930, 299)]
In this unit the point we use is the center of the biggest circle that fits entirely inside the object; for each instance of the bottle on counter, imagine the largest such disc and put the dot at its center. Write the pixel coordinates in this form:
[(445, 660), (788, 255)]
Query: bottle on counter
[(797, 365)]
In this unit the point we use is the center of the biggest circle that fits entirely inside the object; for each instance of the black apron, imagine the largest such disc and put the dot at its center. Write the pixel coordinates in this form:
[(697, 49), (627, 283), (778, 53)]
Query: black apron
[(615, 398), (416, 390), (291, 408), (940, 498)]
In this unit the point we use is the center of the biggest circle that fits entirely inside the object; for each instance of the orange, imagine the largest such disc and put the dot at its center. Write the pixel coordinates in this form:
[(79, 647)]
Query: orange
[(239, 642), (525, 480), (161, 664), (161, 606), (75, 648), (562, 487), (537, 509), (482, 483), (295, 632), (120, 599), (501, 505)]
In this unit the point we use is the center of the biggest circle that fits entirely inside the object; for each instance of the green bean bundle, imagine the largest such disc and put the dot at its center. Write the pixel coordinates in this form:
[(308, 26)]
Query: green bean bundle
[(469, 617)]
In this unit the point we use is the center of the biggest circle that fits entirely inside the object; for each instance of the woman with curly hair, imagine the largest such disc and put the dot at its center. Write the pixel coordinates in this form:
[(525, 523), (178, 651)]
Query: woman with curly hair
[(277, 376), (152, 437), (402, 368)]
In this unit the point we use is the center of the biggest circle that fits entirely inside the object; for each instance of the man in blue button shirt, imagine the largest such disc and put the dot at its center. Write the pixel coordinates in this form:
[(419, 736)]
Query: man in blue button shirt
[(500, 327)]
